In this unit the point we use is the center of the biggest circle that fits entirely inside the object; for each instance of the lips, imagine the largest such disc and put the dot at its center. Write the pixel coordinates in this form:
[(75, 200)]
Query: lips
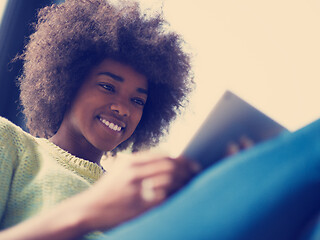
[(113, 125)]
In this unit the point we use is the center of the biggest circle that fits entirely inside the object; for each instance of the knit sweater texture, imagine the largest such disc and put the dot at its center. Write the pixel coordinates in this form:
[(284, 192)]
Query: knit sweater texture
[(35, 174)]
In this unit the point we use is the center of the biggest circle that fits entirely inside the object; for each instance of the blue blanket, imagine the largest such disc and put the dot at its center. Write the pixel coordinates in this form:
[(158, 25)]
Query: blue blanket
[(271, 191)]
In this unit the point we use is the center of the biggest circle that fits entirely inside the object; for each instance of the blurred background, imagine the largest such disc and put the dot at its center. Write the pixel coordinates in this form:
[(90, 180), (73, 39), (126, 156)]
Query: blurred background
[(16, 18), (267, 52)]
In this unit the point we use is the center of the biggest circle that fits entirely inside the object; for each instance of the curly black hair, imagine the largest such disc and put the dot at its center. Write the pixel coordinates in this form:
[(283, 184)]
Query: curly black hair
[(73, 37)]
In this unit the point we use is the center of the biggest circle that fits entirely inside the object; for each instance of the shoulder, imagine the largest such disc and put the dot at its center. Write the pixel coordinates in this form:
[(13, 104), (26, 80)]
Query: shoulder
[(8, 129), (5, 124), (12, 136)]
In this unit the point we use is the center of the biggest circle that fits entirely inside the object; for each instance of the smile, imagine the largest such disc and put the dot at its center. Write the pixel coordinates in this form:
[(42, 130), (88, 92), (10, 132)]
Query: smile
[(111, 125)]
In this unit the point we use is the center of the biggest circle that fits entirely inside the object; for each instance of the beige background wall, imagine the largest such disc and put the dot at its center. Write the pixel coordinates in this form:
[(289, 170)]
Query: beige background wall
[(268, 52), (2, 5)]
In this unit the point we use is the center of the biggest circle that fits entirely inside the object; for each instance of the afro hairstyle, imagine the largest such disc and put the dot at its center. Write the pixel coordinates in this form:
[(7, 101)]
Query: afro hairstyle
[(73, 37)]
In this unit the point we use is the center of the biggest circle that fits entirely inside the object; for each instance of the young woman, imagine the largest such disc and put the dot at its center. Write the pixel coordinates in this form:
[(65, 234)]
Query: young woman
[(97, 78)]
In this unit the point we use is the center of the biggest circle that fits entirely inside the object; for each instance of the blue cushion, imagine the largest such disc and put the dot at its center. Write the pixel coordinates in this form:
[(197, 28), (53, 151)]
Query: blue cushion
[(271, 191)]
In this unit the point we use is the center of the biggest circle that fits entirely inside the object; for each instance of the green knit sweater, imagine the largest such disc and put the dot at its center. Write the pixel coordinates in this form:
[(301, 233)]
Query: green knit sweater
[(35, 174)]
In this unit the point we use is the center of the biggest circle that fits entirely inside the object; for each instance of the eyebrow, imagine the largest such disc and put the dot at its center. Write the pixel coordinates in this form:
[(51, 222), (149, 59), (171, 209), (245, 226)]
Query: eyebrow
[(115, 77), (120, 79)]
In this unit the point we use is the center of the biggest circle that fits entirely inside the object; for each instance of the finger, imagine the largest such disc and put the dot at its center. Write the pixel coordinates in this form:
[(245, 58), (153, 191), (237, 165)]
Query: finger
[(162, 181), (150, 193), (232, 148), (171, 182), (146, 157), (154, 168), (193, 166), (185, 170), (169, 174), (180, 165), (136, 159), (246, 142), (168, 183)]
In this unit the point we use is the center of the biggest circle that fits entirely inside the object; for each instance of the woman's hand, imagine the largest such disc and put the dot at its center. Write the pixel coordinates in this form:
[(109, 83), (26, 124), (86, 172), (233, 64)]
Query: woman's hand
[(235, 147), (135, 185)]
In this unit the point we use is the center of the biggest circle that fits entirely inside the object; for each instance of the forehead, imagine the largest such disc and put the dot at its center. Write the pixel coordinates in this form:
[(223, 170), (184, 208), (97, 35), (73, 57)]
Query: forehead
[(121, 72)]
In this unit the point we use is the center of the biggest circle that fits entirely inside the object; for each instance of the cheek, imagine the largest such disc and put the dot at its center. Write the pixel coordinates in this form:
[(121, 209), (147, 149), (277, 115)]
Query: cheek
[(137, 117), (135, 120)]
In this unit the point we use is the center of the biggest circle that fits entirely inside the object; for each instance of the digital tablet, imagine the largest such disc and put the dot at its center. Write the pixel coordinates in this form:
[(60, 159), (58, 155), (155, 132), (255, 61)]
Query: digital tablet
[(230, 119)]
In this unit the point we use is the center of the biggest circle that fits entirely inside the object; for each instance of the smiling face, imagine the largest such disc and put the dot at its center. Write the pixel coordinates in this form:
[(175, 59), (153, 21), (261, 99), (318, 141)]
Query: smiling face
[(107, 107)]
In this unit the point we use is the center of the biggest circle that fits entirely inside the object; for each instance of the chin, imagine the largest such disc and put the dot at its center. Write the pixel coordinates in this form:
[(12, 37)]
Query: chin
[(110, 147)]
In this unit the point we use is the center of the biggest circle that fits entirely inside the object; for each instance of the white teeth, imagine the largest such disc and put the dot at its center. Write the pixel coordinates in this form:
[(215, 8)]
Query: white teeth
[(112, 126)]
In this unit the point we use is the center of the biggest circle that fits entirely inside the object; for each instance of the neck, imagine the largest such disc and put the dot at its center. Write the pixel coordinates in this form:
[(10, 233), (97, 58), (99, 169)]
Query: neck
[(78, 147)]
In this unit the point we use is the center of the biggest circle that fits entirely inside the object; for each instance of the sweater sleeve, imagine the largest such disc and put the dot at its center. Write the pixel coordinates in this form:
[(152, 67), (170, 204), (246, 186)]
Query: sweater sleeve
[(9, 149)]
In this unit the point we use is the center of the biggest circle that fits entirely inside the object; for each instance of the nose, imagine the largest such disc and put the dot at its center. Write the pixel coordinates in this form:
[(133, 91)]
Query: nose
[(120, 109)]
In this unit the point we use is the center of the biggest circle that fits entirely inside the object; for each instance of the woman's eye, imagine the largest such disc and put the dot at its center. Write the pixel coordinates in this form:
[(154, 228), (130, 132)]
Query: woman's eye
[(107, 87), (138, 101)]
